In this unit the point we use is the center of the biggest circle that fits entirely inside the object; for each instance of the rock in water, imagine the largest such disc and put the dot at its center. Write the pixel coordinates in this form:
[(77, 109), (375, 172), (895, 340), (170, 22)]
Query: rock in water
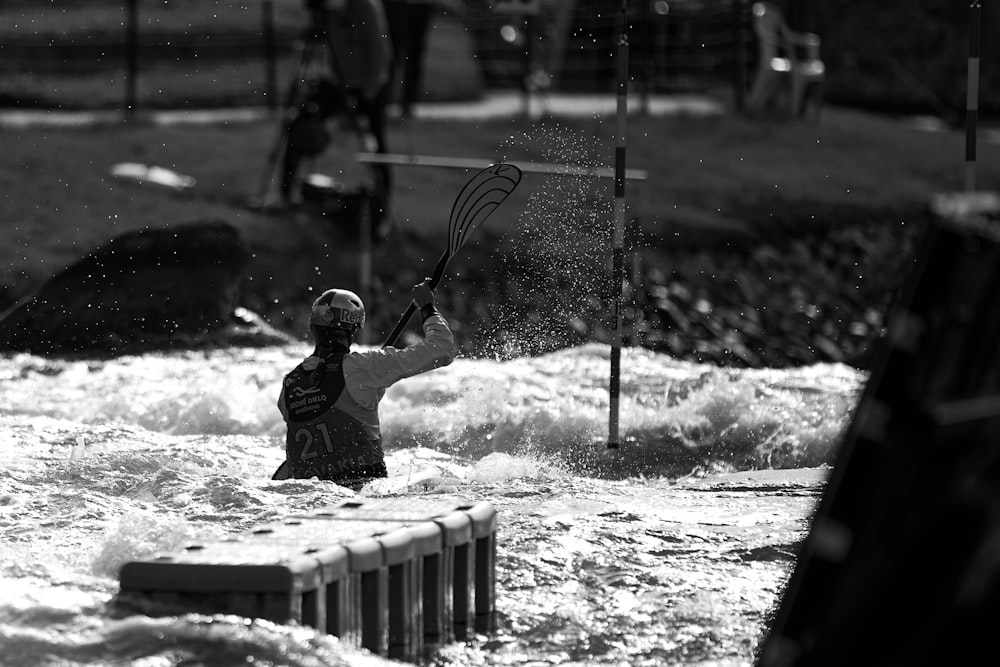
[(169, 287)]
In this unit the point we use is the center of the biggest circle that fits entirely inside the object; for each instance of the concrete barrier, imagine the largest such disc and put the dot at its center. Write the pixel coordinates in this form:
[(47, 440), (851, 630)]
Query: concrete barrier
[(396, 576), (469, 534)]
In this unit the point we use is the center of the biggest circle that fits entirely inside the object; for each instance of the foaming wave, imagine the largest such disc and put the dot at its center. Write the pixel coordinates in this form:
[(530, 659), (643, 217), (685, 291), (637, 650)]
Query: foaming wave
[(221, 392), (38, 619), (138, 534), (498, 467), (674, 417), (187, 639)]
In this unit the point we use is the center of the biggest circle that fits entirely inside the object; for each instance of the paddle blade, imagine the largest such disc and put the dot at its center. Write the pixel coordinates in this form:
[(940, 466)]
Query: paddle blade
[(478, 199)]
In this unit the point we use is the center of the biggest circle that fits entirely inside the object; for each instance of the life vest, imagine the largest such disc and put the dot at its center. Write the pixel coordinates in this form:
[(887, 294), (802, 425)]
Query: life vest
[(323, 440)]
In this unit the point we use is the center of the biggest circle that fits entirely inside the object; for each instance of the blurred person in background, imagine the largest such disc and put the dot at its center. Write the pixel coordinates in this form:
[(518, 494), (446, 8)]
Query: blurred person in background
[(409, 24), (355, 89)]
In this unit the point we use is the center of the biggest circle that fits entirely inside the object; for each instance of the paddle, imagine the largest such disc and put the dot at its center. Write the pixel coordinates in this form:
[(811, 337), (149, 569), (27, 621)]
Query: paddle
[(477, 200), (482, 194)]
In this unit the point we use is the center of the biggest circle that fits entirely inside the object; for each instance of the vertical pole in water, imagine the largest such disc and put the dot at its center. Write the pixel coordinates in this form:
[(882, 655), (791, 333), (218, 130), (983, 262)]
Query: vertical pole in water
[(740, 64), (131, 58), (972, 97), (270, 55), (619, 233), (527, 94)]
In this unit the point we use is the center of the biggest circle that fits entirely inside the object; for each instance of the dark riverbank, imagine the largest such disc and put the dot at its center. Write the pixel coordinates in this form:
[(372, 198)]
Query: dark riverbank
[(794, 294), (756, 242)]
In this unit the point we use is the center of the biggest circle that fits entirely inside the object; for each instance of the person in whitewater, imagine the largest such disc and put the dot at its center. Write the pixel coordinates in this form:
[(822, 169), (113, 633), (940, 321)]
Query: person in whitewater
[(330, 401)]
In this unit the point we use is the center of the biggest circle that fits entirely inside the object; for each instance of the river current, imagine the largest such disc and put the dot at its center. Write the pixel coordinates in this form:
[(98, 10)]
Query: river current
[(671, 551)]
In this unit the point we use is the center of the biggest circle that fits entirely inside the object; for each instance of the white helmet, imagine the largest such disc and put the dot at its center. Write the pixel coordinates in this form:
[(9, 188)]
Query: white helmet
[(338, 309)]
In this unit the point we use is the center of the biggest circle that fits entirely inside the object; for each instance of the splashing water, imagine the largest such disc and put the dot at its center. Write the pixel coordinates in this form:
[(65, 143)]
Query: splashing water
[(650, 556), (556, 254)]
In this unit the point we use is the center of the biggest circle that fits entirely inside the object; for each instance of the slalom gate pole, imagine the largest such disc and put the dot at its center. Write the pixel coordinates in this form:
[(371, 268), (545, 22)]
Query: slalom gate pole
[(972, 96), (131, 58), (618, 257)]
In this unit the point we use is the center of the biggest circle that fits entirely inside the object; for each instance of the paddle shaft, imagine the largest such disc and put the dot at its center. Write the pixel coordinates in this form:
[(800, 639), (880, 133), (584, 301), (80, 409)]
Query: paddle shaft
[(435, 280)]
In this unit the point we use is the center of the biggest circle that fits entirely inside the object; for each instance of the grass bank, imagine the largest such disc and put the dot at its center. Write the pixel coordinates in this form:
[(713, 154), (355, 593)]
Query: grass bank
[(756, 241)]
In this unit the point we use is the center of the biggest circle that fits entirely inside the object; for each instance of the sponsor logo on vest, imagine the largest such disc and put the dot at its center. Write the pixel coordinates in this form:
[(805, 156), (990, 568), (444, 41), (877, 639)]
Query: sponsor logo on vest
[(308, 403)]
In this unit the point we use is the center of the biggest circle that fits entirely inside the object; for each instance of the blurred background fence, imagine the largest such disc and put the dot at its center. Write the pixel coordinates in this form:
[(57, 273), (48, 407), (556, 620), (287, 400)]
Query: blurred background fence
[(897, 55), (212, 53)]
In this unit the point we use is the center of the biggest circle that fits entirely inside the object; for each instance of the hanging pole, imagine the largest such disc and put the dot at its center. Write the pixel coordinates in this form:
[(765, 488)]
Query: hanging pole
[(618, 257), (972, 96), (551, 168)]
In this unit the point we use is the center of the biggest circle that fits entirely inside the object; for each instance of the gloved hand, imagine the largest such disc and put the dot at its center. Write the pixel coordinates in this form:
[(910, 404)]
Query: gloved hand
[(422, 294)]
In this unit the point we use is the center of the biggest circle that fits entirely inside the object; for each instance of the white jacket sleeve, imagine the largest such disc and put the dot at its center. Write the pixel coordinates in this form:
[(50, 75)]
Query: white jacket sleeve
[(368, 374)]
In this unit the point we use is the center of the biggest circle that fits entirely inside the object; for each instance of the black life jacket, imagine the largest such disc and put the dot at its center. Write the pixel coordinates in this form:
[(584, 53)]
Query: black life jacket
[(324, 441)]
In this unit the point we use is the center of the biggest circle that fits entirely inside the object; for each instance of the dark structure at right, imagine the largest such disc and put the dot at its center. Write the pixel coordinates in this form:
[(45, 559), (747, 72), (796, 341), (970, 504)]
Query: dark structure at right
[(902, 563)]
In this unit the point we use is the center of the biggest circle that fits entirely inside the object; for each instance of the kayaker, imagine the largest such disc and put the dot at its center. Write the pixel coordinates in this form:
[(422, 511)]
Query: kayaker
[(330, 401)]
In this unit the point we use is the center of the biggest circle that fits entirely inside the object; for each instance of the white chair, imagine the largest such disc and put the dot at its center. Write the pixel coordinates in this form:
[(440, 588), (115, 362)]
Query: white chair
[(787, 60)]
